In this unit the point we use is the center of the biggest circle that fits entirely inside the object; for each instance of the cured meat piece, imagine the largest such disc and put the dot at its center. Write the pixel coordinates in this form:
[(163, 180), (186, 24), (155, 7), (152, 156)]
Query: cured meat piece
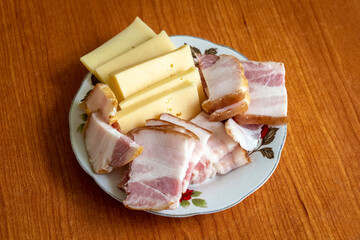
[(218, 145), (125, 178), (161, 124), (268, 94), (204, 169), (107, 147), (156, 175), (230, 111), (226, 85), (247, 136), (219, 142), (237, 158), (199, 150), (194, 157), (102, 99), (202, 133)]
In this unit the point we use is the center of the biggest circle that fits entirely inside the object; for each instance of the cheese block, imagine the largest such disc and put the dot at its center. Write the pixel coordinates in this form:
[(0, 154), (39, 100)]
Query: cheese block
[(191, 75), (134, 79), (154, 47), (132, 36), (181, 101)]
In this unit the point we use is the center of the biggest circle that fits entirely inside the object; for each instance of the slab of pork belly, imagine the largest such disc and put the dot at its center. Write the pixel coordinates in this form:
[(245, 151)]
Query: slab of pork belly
[(199, 151), (268, 94), (107, 147), (226, 85), (235, 159), (156, 176), (247, 136), (102, 99), (218, 145)]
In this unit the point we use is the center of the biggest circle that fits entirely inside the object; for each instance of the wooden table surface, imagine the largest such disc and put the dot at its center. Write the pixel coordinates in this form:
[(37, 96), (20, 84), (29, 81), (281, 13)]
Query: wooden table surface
[(314, 192)]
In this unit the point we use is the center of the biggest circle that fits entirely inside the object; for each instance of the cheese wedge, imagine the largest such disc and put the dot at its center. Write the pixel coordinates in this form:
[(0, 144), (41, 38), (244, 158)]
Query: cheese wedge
[(132, 36), (154, 47), (191, 75), (181, 101), (134, 79)]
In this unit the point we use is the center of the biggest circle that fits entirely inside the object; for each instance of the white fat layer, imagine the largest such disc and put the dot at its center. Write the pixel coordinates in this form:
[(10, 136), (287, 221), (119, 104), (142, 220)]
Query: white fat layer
[(268, 101), (138, 201), (163, 156), (197, 152), (232, 160), (218, 146), (267, 68), (219, 139), (242, 135), (209, 172), (100, 143), (224, 71), (169, 140), (198, 131), (239, 103), (113, 112), (155, 170), (98, 101)]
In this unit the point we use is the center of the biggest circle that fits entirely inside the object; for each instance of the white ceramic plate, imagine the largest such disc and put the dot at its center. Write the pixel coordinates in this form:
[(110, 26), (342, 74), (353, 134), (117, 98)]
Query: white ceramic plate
[(216, 194)]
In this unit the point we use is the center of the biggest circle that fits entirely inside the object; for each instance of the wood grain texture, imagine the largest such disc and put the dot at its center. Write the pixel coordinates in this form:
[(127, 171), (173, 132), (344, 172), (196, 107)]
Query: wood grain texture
[(313, 194)]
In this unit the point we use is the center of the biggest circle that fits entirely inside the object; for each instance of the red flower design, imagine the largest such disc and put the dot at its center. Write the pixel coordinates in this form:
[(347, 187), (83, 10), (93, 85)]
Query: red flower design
[(187, 195), (264, 130)]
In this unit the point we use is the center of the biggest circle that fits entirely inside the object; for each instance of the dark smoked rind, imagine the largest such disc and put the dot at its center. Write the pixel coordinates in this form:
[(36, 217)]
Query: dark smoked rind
[(243, 119)]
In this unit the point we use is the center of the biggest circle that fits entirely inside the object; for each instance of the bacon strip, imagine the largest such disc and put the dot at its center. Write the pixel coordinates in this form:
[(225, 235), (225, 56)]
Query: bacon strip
[(247, 136), (226, 85), (199, 149), (268, 94), (218, 145), (102, 99), (235, 159), (156, 176), (107, 147)]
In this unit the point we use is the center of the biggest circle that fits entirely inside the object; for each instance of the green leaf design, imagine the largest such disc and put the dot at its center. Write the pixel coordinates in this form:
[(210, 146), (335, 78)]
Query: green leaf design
[(80, 128), (267, 152), (94, 80), (194, 51), (199, 202), (185, 203), (195, 194), (270, 136), (212, 51), (83, 116)]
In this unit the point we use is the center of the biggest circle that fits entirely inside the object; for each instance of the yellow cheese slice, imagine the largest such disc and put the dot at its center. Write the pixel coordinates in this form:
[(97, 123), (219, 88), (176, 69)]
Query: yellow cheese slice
[(135, 34), (154, 47), (181, 101), (191, 75), (134, 79)]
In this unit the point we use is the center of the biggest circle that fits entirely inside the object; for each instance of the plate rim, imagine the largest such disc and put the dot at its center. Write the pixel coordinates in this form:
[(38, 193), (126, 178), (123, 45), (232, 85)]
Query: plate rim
[(159, 213)]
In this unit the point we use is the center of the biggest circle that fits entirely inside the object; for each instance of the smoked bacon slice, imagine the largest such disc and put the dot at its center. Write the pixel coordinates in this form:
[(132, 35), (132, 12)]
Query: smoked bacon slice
[(226, 86), (156, 176), (199, 150), (106, 146), (268, 94), (101, 99)]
